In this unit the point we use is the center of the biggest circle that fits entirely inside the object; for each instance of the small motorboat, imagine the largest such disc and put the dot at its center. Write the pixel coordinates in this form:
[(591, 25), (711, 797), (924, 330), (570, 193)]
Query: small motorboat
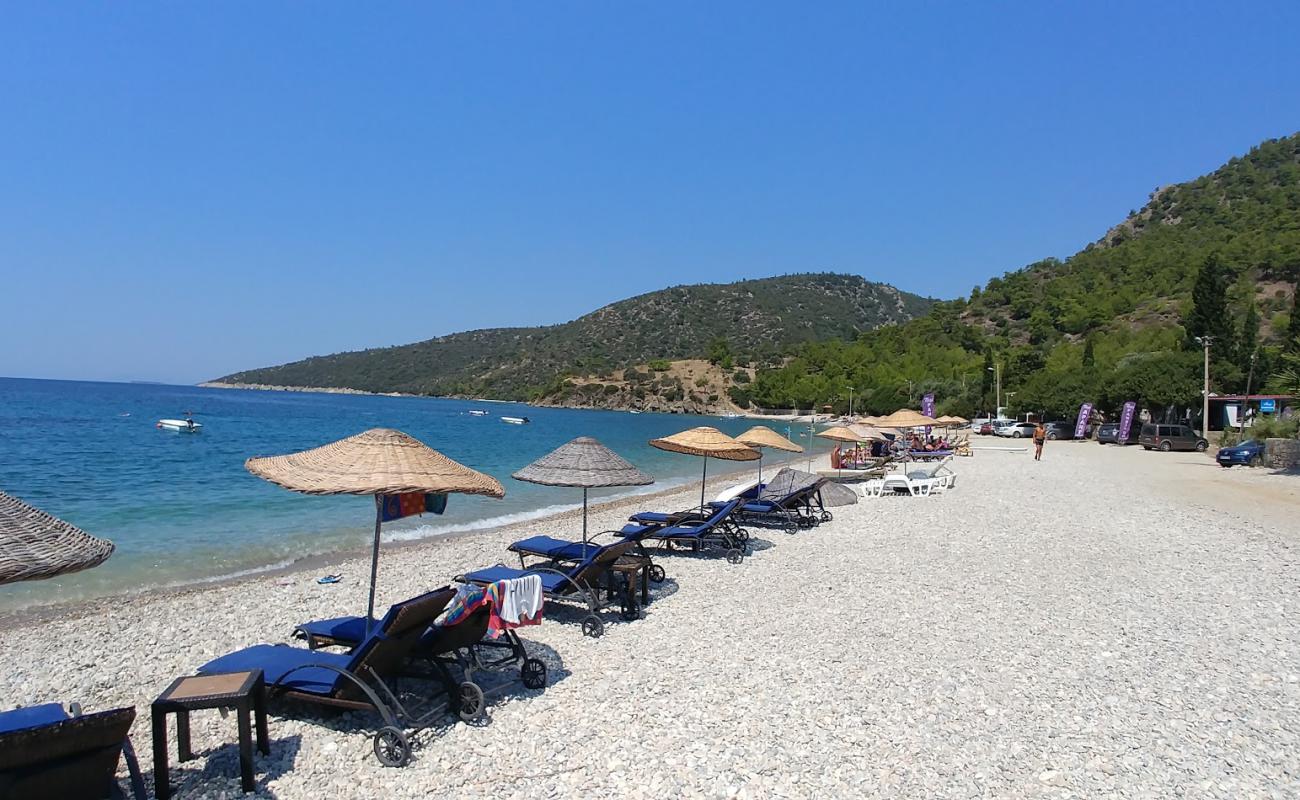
[(180, 425), (477, 413), (515, 420)]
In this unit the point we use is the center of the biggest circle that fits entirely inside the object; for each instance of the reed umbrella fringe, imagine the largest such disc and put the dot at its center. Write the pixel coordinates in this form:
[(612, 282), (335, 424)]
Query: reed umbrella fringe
[(378, 462), (905, 418), (35, 545), (761, 436), (583, 463), (705, 442)]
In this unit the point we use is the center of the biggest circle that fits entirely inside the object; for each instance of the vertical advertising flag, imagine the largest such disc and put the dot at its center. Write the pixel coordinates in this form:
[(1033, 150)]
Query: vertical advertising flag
[(927, 408), (1126, 422), (1081, 427)]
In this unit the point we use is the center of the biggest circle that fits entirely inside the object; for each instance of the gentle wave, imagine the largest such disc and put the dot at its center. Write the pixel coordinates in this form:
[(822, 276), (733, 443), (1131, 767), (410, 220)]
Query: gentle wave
[(486, 523)]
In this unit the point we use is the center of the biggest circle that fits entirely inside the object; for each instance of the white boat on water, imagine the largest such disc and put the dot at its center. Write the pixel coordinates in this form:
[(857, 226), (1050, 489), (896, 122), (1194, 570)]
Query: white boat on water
[(515, 420), (477, 413), (181, 425), (730, 415)]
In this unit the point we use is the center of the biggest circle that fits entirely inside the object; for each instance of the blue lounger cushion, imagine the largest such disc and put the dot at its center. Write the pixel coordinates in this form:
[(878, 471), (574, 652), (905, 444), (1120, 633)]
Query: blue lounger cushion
[(31, 717), (276, 661), (340, 629), (652, 516), (551, 547), (634, 531), (550, 581)]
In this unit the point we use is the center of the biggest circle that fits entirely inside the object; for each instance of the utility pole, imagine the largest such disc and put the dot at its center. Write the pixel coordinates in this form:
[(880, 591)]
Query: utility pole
[(1205, 342), (996, 369), (850, 402), (1245, 406)]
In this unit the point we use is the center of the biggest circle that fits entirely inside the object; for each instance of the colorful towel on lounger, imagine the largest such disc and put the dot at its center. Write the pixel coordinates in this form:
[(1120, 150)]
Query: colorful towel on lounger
[(514, 603)]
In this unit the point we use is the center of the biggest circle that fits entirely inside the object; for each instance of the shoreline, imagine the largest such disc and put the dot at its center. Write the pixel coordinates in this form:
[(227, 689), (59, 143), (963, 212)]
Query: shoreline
[(67, 610)]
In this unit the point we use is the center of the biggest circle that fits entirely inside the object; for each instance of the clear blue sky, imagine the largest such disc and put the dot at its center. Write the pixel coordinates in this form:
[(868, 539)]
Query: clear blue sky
[(188, 189)]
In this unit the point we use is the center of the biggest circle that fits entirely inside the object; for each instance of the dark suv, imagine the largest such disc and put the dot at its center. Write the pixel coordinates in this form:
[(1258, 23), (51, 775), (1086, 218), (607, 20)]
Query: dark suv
[(1061, 430), (1108, 433), (1171, 437)]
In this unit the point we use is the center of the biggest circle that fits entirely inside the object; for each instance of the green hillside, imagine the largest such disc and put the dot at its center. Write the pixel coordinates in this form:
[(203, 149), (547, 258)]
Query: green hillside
[(755, 319), (1111, 323)]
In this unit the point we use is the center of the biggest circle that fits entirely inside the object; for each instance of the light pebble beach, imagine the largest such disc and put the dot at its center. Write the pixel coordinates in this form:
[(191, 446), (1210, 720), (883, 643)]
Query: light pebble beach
[(1100, 624)]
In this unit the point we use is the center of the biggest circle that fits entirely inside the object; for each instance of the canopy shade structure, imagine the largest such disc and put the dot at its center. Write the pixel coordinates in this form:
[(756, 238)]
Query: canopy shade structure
[(379, 462), (867, 433), (35, 545), (586, 464), (761, 436), (905, 418), (705, 442), (952, 420)]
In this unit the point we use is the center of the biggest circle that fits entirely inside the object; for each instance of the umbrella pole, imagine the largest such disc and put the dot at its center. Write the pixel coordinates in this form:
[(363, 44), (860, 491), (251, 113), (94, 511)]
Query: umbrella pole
[(703, 478), (760, 464), (584, 522), (374, 563)]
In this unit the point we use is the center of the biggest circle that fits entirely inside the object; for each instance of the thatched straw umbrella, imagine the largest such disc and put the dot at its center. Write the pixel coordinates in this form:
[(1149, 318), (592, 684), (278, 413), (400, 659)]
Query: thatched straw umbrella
[(583, 463), (380, 462), (905, 418), (35, 545), (761, 436), (705, 442)]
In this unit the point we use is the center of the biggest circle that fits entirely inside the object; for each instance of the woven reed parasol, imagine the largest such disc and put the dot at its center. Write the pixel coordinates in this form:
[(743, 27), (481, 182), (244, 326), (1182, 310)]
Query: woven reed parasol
[(905, 418), (761, 436), (379, 462), (948, 421), (583, 463), (705, 441), (35, 545)]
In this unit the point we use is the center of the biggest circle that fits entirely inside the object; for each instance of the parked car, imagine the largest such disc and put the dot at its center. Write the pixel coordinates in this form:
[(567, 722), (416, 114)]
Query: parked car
[(1249, 453), (986, 429), (999, 424), (1171, 437), (1017, 430), (1108, 433), (1060, 430)]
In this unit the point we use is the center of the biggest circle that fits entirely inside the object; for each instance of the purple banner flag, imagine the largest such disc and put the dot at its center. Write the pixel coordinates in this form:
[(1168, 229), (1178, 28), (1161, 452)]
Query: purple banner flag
[(1081, 427), (927, 408), (1126, 422)]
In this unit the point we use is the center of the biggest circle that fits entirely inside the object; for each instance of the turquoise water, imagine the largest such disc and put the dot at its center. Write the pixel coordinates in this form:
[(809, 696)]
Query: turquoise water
[(181, 508)]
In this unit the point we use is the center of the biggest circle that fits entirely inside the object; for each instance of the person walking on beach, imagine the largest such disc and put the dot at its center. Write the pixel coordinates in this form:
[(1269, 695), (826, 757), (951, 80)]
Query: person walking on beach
[(1040, 436)]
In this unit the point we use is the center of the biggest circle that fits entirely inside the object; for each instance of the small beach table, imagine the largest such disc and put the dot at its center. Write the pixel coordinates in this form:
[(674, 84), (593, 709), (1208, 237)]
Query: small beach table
[(245, 692), (633, 568)]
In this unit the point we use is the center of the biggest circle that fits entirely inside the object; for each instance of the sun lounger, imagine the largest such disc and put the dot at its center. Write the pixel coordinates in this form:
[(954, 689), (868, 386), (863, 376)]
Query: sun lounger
[(719, 528), (47, 752), (792, 500), (356, 681), (581, 581), (565, 551), (463, 645)]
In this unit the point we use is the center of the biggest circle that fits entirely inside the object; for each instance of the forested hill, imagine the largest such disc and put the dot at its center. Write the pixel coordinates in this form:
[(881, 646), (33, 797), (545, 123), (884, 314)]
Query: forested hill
[(754, 319), (1114, 322)]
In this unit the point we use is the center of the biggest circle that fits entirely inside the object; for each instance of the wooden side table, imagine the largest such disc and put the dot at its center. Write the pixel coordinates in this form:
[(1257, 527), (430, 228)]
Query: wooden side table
[(630, 567), (245, 692)]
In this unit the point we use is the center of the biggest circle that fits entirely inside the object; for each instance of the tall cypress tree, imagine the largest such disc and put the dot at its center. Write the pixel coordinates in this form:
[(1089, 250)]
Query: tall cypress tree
[(1293, 327), (1089, 359), (986, 385), (1249, 338), (1209, 316)]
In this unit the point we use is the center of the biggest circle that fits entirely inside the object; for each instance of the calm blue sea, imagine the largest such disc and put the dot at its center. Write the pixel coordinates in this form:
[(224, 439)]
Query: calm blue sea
[(181, 508)]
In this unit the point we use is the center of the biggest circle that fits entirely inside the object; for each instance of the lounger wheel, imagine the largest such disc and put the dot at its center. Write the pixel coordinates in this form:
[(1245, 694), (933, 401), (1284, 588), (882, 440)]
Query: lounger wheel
[(735, 555), (827, 516), (742, 535), (790, 526), (533, 673), (657, 574), (470, 703), (593, 627), (391, 747)]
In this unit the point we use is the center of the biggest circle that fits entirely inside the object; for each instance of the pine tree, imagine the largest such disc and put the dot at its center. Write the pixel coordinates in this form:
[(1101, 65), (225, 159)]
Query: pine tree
[(1089, 359), (986, 385), (1249, 339)]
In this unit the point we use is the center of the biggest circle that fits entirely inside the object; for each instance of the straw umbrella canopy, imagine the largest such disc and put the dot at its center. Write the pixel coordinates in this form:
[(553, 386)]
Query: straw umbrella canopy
[(35, 545), (706, 442), (952, 420), (378, 462), (586, 464), (905, 418), (841, 434), (761, 436)]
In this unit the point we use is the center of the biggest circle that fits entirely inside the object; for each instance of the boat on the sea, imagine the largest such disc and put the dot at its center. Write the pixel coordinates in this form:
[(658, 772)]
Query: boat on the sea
[(515, 420), (180, 425), (730, 415), (477, 413)]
